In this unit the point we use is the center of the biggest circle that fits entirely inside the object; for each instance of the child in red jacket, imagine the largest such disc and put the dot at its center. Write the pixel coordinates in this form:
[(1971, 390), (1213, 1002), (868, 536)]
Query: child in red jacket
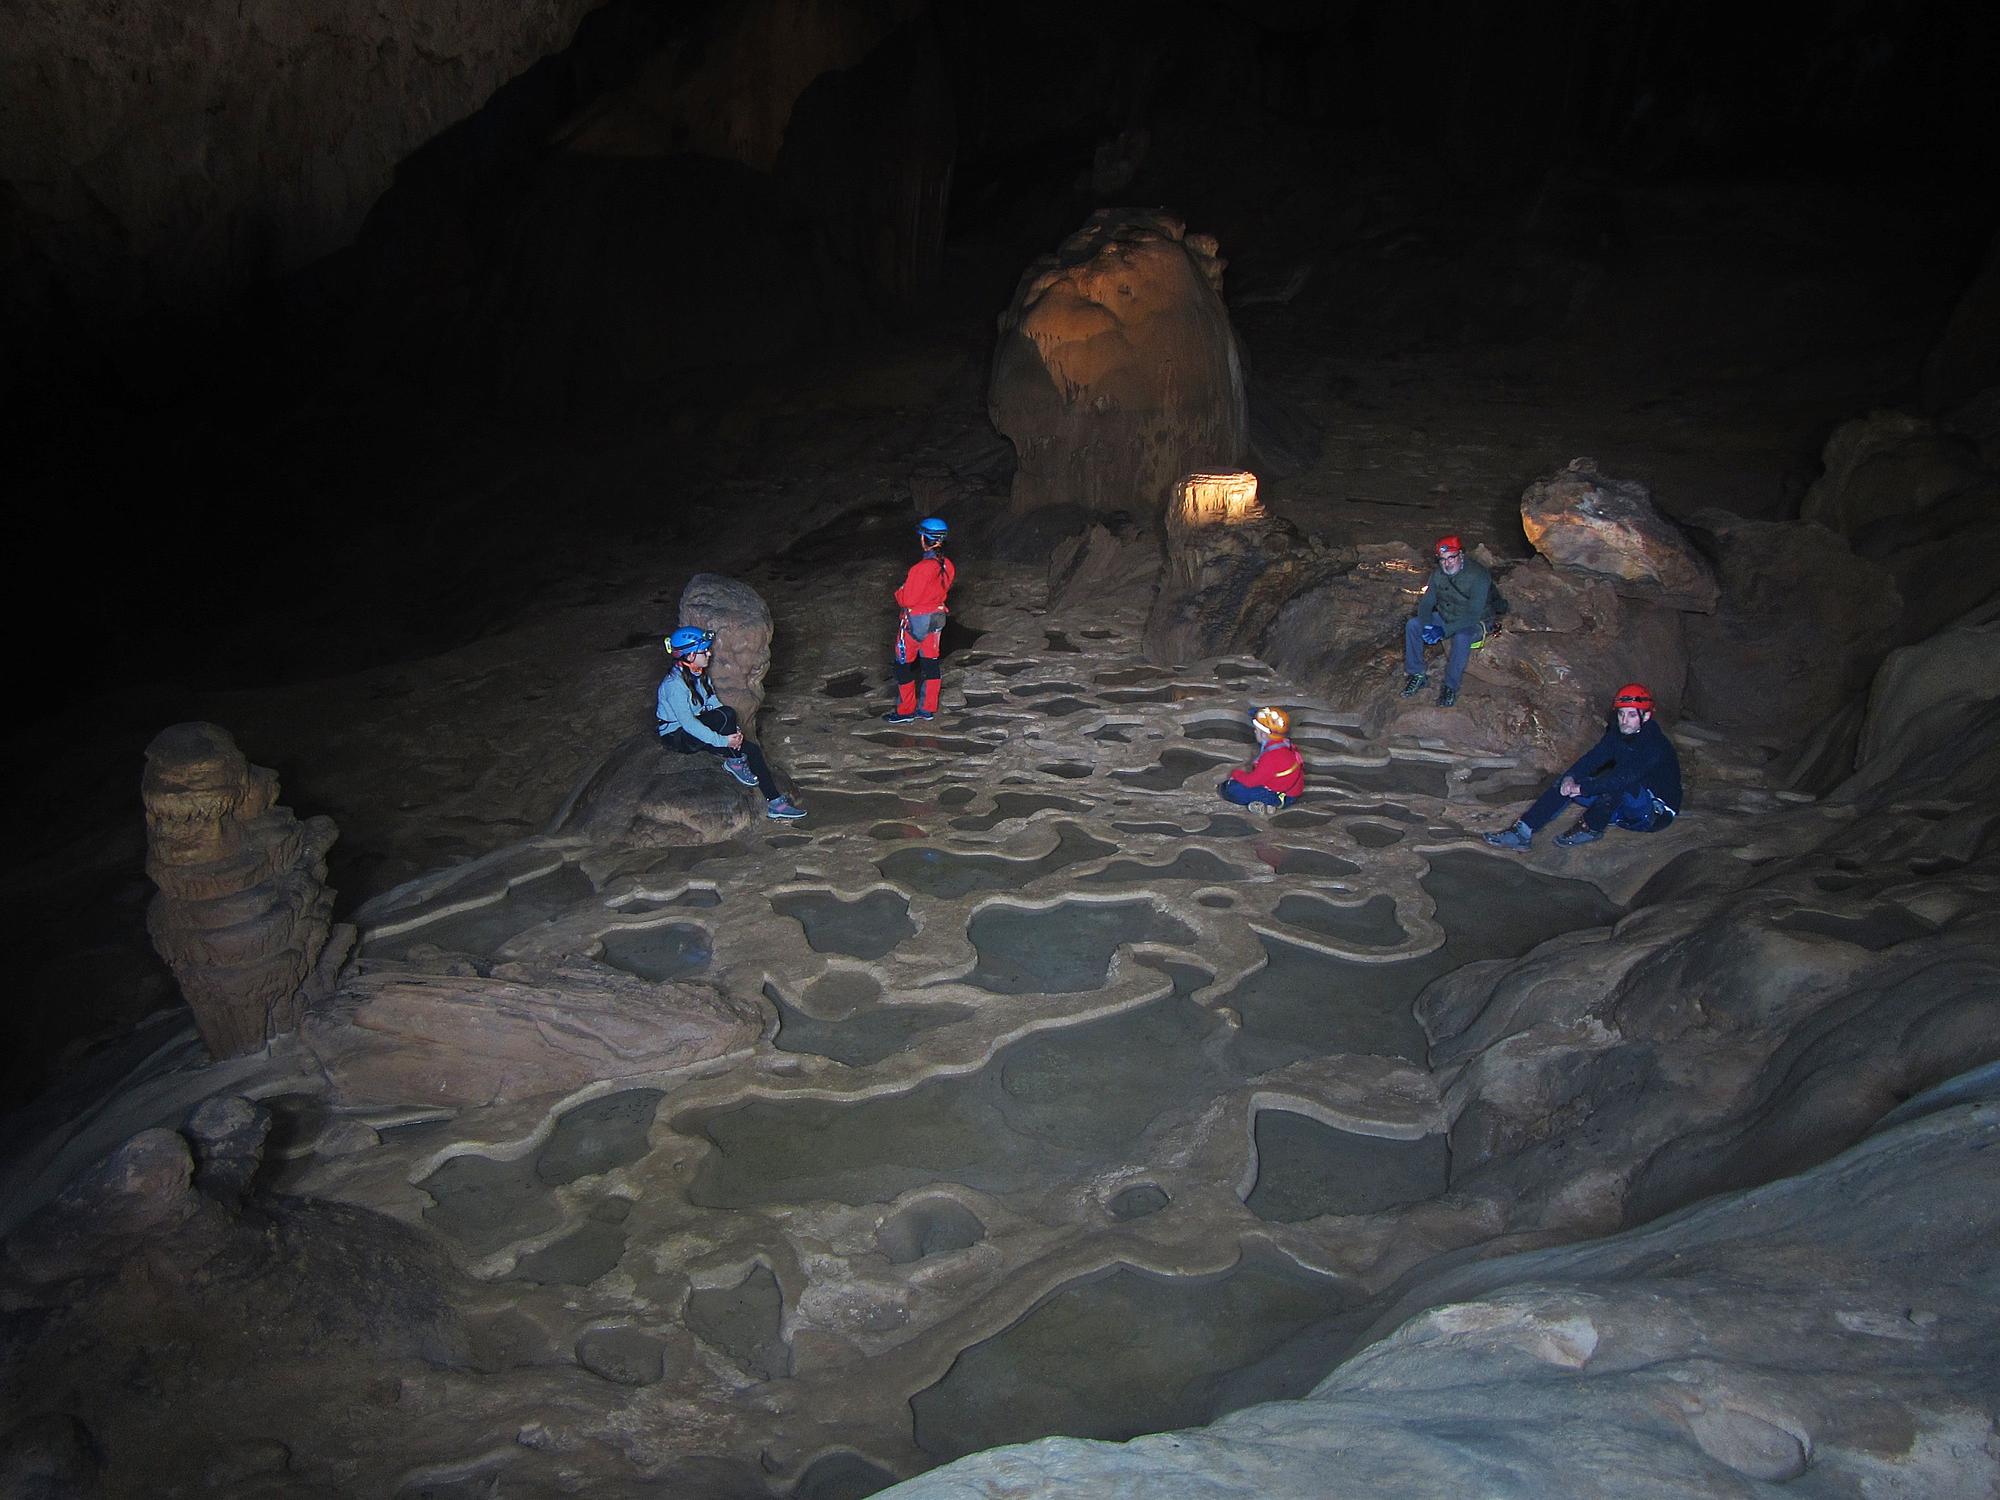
[(920, 626), (1277, 776)]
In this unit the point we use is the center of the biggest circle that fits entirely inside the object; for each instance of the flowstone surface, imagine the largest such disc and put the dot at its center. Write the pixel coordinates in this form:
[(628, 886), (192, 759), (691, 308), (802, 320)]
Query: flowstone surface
[(1081, 1103)]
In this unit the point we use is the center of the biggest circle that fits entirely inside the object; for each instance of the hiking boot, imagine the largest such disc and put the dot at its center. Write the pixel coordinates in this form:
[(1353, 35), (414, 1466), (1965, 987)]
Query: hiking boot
[(1520, 836), (784, 809), (739, 767), (1447, 696), (1415, 683), (897, 716), (1583, 833)]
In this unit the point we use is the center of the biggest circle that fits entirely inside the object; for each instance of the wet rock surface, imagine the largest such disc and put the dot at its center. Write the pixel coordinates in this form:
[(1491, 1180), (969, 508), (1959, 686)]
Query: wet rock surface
[(1022, 1047)]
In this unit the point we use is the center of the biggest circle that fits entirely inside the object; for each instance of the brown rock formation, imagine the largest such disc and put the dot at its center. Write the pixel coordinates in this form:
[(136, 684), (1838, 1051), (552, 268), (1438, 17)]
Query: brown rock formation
[(1117, 370), (1231, 565), (1888, 466), (174, 155), (1918, 498), (400, 1038), (741, 621), (1581, 520), (640, 794), (1801, 625), (243, 912), (1539, 689)]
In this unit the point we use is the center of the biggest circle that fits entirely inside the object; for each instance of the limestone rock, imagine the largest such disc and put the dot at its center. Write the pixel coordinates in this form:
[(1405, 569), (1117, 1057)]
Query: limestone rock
[(1801, 625), (1917, 498), (1581, 520), (227, 1133), (1539, 689), (112, 106), (1117, 370), (1230, 566), (1886, 466), (141, 1190), (741, 621), (243, 912), (1095, 565), (641, 794), (403, 1038), (1932, 722)]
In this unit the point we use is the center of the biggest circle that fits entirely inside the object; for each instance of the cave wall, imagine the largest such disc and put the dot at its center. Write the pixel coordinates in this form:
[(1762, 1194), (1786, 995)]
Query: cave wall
[(168, 156)]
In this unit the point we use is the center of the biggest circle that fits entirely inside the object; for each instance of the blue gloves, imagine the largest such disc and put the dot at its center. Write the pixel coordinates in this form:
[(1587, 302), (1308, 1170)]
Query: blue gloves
[(1433, 634)]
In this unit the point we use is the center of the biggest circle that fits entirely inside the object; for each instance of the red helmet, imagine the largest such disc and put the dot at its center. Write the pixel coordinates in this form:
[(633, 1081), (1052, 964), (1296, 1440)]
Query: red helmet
[(1634, 695), (1448, 545)]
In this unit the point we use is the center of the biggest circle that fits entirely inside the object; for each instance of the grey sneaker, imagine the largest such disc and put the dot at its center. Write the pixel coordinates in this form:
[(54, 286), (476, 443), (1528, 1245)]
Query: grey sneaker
[(1583, 833), (738, 767), (784, 809), (1520, 836), (1447, 696), (1415, 683)]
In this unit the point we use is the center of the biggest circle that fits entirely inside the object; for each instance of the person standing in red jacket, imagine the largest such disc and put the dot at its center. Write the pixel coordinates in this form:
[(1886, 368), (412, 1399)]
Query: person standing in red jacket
[(920, 626), (1277, 776)]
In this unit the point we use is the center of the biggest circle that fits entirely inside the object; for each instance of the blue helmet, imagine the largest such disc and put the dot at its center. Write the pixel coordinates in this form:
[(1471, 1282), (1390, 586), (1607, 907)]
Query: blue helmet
[(931, 529), (689, 639)]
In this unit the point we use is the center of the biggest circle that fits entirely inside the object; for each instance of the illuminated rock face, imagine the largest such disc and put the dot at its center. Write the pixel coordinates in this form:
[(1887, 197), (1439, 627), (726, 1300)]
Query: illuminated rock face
[(243, 911), (1117, 371), (1231, 565), (1583, 521)]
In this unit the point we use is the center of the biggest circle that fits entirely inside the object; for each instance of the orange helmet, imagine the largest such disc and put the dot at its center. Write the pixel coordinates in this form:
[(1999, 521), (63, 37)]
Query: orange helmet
[(1448, 546), (1273, 721), (1634, 695)]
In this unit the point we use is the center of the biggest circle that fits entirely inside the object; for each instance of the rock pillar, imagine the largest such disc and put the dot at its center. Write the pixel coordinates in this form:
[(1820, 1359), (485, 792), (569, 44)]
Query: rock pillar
[(243, 910)]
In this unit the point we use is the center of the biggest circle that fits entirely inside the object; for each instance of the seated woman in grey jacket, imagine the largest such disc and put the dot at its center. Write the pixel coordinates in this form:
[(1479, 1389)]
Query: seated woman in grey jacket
[(693, 719)]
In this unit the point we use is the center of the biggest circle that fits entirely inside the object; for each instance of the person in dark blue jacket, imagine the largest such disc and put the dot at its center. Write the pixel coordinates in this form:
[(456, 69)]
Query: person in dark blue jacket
[(1630, 778)]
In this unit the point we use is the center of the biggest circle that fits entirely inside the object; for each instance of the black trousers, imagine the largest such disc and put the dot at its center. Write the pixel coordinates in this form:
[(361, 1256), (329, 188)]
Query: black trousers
[(723, 721)]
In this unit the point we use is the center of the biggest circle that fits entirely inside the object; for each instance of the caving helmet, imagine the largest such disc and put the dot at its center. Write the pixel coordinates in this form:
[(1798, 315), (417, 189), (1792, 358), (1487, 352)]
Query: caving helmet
[(1633, 695), (931, 531), (689, 639), (1448, 546), (1273, 721)]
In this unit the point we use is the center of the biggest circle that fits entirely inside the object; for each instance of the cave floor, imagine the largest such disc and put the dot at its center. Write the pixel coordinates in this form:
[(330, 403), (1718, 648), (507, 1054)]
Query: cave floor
[(1090, 1104)]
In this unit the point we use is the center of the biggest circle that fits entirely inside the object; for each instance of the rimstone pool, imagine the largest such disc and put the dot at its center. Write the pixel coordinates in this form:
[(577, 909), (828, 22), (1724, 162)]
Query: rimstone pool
[(1080, 1099)]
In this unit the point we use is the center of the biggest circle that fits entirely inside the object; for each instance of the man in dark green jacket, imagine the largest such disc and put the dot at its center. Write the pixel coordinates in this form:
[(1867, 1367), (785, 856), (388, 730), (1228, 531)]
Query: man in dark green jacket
[(1457, 606)]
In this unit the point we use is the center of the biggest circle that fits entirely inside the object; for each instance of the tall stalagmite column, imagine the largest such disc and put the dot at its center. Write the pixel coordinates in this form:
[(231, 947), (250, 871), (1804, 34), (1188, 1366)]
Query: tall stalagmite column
[(243, 910)]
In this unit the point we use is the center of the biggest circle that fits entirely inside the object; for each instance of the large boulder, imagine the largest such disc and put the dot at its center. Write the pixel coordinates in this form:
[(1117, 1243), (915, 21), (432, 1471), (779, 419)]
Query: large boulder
[(243, 912), (741, 621), (1608, 528), (143, 1189), (1918, 498), (1231, 565), (1801, 626), (1117, 370), (643, 795), (1539, 689), (395, 1037), (1932, 721)]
